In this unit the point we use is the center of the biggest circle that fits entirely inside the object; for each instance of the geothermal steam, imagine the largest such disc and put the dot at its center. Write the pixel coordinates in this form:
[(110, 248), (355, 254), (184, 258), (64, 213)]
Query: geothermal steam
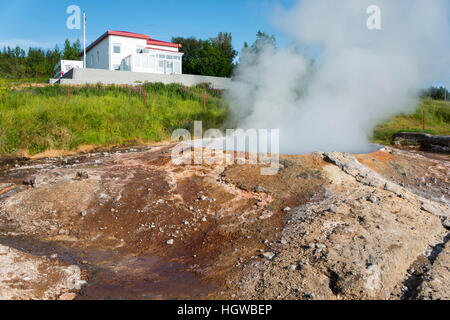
[(361, 78)]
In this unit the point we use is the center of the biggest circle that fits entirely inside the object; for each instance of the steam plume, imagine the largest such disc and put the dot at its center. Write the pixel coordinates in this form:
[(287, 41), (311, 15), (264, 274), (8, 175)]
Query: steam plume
[(363, 76)]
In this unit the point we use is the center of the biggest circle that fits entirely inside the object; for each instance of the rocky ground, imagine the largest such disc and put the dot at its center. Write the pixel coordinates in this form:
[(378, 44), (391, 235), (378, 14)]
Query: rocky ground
[(24, 276), (129, 224)]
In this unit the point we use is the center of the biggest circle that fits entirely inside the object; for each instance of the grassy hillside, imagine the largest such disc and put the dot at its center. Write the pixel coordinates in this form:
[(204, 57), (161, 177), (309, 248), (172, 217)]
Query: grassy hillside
[(36, 119), (437, 121)]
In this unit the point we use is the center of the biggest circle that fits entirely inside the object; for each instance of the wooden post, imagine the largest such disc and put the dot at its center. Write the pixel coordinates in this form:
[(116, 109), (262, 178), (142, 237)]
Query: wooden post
[(424, 120), (204, 101)]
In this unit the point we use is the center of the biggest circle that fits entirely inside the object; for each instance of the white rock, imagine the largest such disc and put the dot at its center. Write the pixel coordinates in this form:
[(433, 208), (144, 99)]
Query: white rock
[(372, 199), (268, 255)]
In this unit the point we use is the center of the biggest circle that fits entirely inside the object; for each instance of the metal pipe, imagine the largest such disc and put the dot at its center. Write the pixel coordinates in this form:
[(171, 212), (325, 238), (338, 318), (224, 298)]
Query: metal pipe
[(84, 40)]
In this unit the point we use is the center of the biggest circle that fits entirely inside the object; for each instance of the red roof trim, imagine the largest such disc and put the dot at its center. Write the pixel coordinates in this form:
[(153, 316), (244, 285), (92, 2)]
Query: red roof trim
[(130, 35)]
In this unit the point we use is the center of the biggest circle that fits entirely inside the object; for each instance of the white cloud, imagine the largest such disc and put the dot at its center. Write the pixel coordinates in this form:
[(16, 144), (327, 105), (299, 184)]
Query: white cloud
[(27, 43)]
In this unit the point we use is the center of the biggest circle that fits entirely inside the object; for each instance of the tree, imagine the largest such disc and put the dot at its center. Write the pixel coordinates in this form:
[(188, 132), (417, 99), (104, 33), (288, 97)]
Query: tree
[(212, 57), (436, 93), (16, 63), (71, 51), (191, 48), (250, 54), (224, 43), (35, 63), (12, 62), (52, 58), (213, 62), (263, 41)]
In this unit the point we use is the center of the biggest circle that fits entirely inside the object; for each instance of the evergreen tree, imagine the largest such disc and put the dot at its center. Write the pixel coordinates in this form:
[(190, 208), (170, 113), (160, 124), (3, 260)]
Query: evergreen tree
[(15, 63), (71, 51)]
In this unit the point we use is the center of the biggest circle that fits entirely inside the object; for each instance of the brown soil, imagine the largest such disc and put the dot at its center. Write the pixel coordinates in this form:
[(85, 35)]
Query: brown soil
[(118, 223)]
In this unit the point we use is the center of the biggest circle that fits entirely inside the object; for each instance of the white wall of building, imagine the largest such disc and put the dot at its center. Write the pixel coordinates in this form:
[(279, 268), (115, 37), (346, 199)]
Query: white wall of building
[(64, 66), (94, 76), (128, 46), (158, 59), (98, 57), (162, 48)]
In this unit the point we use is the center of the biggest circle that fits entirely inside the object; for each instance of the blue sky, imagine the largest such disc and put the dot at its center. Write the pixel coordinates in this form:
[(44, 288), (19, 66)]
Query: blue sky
[(43, 23)]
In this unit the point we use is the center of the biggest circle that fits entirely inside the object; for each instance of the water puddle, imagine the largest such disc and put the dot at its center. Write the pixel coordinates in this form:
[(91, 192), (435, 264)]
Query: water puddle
[(116, 275), (142, 278)]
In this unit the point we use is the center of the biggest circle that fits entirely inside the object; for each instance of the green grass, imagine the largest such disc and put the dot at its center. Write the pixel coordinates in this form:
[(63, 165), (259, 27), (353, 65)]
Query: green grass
[(37, 119), (437, 121)]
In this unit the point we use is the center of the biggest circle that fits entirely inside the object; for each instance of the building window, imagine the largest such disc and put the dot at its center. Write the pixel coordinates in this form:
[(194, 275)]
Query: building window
[(126, 64), (160, 66), (116, 48), (169, 67), (177, 67)]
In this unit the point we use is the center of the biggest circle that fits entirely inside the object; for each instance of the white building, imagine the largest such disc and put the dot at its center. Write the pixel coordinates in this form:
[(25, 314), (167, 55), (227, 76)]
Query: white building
[(126, 51), (64, 66)]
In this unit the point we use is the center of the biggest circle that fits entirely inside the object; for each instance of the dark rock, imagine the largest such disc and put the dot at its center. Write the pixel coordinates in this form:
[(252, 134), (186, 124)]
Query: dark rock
[(333, 209), (82, 175), (447, 223), (427, 142), (30, 182)]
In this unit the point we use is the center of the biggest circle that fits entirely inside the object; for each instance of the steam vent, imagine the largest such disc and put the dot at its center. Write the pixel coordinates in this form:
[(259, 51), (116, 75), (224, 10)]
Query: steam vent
[(225, 159)]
